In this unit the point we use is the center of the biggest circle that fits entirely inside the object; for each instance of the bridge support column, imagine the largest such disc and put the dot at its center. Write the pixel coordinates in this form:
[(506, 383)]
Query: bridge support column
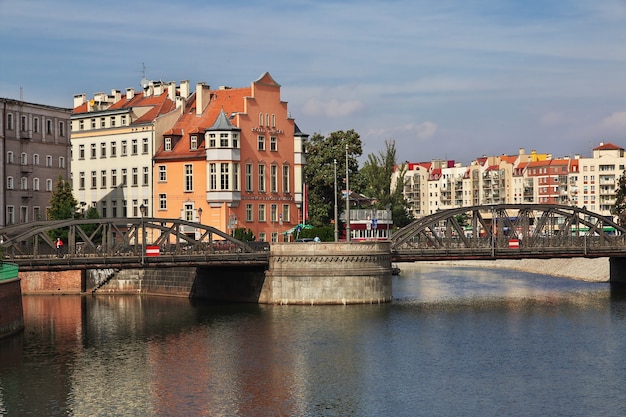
[(328, 273), (617, 271)]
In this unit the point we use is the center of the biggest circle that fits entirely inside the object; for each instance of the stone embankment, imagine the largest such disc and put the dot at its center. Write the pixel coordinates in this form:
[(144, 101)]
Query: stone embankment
[(583, 269)]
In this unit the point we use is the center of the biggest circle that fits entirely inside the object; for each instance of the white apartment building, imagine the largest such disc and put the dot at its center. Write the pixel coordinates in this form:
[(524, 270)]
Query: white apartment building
[(114, 138)]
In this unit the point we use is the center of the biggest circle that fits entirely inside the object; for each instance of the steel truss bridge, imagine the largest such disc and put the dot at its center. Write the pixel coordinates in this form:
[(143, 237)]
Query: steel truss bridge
[(512, 231), (124, 243)]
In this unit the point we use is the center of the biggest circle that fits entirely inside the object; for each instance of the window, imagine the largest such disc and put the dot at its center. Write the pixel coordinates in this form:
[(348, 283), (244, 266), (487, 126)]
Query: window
[(223, 140), (144, 146), (267, 119), (112, 125), (10, 121), (103, 150), (61, 162), (273, 143), (135, 177), (236, 177), (123, 120), (103, 178), (48, 184), (93, 151), (285, 213), (81, 180), (114, 178), (260, 119), (261, 178), (273, 178), (249, 177), (36, 125), (134, 147), (124, 148), (193, 144), (188, 177), (273, 213), (261, 215), (188, 212), (249, 215), (212, 142), (168, 144), (81, 125), (162, 173), (224, 177), (235, 140), (61, 128), (9, 157), (262, 237), (102, 122), (113, 149), (114, 208), (273, 120), (10, 215), (162, 201), (261, 140), (23, 158), (124, 177), (23, 124), (36, 184), (93, 123), (94, 180), (286, 188), (49, 161), (212, 176), (9, 183), (81, 151)]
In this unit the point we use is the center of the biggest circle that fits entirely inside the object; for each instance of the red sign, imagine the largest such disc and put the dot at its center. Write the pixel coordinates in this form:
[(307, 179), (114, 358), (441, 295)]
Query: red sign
[(514, 243), (153, 250)]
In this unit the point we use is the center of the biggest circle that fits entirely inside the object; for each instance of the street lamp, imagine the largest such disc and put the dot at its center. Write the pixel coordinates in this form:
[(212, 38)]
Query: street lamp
[(142, 209), (335, 192), (347, 199), (200, 214)]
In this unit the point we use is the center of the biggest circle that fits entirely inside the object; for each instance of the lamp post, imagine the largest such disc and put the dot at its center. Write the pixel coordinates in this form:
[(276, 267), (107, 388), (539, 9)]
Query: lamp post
[(200, 214), (347, 199), (142, 209), (335, 192)]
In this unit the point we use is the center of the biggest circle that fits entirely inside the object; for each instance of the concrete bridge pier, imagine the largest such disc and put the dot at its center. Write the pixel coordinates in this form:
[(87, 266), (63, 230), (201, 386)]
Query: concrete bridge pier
[(617, 271), (328, 273)]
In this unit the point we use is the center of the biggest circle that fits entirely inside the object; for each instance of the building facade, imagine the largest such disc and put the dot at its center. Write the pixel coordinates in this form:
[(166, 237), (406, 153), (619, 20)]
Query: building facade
[(35, 152), (233, 159)]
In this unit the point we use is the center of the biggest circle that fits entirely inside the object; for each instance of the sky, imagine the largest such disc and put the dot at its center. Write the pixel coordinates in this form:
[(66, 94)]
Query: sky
[(442, 79)]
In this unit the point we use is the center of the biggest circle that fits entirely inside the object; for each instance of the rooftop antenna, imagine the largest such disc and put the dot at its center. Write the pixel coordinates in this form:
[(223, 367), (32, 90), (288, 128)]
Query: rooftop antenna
[(21, 93), (144, 80)]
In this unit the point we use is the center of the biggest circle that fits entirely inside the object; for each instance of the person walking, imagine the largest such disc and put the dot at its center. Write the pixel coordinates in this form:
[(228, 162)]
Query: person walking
[(59, 246)]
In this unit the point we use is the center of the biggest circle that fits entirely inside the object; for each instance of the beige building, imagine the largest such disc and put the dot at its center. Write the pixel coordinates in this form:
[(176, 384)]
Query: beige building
[(35, 152)]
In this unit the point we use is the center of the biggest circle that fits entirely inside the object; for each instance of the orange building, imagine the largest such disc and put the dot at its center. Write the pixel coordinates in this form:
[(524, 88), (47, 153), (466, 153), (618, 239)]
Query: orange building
[(233, 159)]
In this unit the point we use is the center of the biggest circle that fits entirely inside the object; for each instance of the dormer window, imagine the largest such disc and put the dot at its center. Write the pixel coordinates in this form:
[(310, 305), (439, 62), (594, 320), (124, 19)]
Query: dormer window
[(193, 145), (168, 144)]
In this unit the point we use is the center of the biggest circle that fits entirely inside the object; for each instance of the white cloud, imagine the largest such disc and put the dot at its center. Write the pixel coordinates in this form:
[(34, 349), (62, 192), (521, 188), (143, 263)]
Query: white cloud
[(332, 108)]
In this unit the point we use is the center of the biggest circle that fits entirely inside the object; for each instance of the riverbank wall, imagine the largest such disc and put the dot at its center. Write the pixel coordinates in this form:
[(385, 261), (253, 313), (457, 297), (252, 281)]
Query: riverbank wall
[(582, 269)]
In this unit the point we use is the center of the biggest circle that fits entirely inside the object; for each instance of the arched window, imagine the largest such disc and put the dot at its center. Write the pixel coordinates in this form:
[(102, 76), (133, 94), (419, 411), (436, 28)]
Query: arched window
[(260, 119)]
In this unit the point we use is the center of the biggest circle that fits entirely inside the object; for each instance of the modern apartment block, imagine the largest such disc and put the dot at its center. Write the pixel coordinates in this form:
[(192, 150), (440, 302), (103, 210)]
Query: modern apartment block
[(532, 178), (233, 159), (35, 153)]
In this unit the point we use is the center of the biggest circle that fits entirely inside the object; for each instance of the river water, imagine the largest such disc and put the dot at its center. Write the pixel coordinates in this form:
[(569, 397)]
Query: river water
[(455, 341)]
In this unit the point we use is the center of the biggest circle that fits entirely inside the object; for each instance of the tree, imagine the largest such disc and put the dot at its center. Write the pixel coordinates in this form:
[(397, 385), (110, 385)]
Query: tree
[(377, 176), (62, 203), (243, 235), (322, 152), (619, 209)]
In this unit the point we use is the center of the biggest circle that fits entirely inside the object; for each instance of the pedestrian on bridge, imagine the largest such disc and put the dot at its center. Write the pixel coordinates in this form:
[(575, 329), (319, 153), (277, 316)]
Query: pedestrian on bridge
[(59, 246)]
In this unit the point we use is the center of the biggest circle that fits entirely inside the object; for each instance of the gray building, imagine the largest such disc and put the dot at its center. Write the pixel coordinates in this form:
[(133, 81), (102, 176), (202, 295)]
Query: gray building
[(34, 151)]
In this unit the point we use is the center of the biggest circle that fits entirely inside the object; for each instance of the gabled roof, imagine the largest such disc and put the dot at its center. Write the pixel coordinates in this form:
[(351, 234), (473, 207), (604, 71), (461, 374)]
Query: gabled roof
[(607, 147)]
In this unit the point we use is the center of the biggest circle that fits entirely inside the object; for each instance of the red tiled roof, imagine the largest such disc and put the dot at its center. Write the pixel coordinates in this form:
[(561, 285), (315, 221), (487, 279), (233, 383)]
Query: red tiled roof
[(608, 147)]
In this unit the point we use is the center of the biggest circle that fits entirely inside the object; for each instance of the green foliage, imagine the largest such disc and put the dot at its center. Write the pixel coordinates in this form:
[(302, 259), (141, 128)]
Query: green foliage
[(243, 235), (62, 203), (319, 173), (62, 206), (620, 200), (462, 219), (377, 175), (326, 233), (89, 229)]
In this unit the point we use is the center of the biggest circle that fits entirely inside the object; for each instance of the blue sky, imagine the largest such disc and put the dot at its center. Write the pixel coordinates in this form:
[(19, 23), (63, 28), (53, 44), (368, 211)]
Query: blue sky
[(444, 79)]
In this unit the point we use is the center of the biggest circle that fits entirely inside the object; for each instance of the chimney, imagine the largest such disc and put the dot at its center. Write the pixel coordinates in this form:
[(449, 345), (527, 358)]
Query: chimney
[(130, 93), (116, 95), (171, 90), (79, 99), (202, 97), (184, 88), (522, 151), (158, 88)]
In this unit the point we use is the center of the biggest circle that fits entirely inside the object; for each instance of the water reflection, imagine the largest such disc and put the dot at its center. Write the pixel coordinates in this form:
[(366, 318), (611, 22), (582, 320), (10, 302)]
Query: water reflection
[(455, 341)]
